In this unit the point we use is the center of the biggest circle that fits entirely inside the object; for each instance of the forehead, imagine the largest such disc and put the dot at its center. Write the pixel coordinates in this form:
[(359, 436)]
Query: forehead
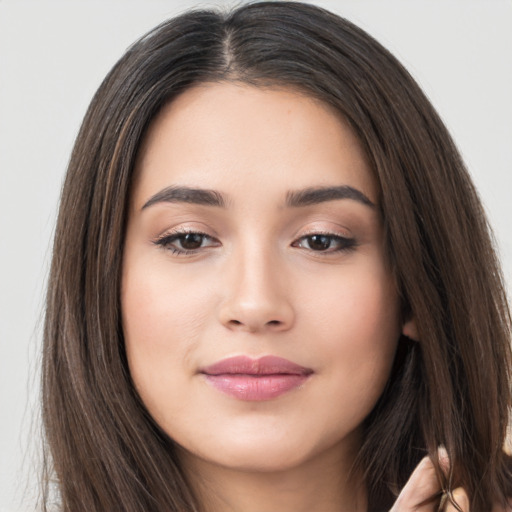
[(224, 135)]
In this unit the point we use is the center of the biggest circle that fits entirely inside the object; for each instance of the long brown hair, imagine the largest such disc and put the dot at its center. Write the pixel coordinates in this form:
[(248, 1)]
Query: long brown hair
[(451, 387)]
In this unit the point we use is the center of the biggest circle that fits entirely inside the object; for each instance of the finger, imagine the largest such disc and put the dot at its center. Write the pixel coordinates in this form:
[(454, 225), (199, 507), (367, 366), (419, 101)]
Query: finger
[(444, 460), (421, 486), (459, 497)]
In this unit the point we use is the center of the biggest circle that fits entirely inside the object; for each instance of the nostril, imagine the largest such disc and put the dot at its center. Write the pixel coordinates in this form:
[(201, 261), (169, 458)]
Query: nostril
[(269, 323)]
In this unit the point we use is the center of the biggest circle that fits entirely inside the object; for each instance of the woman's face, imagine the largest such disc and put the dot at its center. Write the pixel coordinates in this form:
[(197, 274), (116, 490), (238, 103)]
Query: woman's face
[(259, 313)]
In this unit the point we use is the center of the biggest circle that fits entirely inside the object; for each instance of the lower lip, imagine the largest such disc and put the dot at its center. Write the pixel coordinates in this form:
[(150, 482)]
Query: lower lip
[(256, 387)]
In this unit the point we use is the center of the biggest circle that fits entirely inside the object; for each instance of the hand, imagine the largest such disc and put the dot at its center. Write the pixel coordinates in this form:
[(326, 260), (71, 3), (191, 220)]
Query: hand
[(423, 484)]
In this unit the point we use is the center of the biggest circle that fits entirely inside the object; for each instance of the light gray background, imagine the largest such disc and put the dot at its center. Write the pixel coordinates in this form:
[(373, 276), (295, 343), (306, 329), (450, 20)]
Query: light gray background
[(53, 56)]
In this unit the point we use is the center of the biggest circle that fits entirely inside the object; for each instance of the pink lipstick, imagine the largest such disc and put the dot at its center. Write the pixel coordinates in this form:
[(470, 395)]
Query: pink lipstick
[(255, 379)]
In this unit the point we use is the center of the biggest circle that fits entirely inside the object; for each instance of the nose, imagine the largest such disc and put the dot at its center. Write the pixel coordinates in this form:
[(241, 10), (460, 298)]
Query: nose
[(257, 297)]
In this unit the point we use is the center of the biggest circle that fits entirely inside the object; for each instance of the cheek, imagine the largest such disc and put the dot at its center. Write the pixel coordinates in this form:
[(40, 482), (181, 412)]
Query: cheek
[(360, 304), (159, 306), (357, 327), (163, 316)]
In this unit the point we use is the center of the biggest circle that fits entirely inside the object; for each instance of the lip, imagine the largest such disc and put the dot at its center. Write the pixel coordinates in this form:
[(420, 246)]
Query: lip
[(259, 379)]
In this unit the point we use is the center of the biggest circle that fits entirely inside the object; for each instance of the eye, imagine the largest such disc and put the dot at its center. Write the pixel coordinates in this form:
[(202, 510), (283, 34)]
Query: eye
[(186, 242), (325, 242)]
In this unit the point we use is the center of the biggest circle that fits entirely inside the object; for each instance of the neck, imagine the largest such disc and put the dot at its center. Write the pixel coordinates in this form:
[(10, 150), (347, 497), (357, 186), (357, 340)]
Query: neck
[(323, 483)]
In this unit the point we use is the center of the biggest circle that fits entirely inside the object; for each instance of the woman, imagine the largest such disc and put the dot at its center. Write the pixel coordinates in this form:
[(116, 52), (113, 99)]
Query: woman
[(272, 284)]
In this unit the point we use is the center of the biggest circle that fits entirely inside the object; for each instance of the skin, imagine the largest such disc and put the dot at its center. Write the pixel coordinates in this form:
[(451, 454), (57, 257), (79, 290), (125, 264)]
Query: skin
[(423, 484), (256, 284)]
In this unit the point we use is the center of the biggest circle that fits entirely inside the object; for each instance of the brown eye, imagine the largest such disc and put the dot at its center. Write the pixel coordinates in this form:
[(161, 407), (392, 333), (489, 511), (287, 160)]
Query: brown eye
[(191, 241), (184, 243), (319, 242)]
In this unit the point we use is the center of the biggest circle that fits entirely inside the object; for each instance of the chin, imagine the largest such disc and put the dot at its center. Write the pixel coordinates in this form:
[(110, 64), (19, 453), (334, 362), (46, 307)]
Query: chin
[(255, 459), (261, 450)]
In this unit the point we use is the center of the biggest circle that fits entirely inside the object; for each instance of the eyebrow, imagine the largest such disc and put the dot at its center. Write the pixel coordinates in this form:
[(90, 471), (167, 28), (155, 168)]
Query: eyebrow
[(311, 196), (294, 199), (175, 194)]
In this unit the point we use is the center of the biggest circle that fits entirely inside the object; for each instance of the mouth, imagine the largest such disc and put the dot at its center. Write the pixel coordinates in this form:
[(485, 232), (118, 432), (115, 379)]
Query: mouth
[(259, 379)]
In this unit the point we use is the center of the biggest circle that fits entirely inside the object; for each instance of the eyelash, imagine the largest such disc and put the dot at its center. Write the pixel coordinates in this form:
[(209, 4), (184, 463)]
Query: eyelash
[(167, 240), (345, 244)]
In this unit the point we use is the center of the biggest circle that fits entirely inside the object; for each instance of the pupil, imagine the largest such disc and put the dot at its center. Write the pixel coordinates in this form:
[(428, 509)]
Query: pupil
[(191, 241), (319, 242)]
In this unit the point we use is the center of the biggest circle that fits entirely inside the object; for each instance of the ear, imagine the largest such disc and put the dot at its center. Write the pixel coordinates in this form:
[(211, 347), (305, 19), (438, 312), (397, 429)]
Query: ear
[(410, 330)]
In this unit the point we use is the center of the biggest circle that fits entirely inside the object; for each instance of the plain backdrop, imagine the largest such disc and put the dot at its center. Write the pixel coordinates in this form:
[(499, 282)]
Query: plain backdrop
[(53, 56)]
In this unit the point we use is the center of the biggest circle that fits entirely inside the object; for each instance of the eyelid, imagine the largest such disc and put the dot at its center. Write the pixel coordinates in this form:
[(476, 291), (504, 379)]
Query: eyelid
[(182, 231), (186, 226), (345, 243), (335, 230), (168, 237), (324, 231)]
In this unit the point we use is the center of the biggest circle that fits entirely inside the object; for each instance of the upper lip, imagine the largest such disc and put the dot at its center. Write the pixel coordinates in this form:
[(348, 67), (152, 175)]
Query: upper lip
[(266, 365)]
